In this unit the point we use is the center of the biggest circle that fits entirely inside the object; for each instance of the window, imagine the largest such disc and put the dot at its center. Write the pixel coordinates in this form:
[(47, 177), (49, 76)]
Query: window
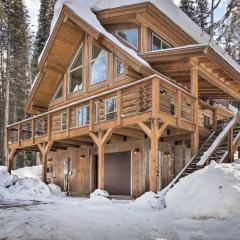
[(59, 92), (82, 116), (99, 65), (63, 121), (110, 108), (75, 72), (119, 67), (158, 43), (206, 120), (130, 36)]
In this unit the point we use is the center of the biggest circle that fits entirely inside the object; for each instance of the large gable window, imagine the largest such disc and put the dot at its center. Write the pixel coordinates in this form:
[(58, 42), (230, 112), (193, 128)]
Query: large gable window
[(130, 36), (75, 72), (158, 43), (99, 65)]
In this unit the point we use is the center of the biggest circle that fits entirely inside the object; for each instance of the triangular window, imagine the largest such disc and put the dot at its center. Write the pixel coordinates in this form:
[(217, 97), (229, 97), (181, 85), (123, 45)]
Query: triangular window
[(59, 91), (75, 72)]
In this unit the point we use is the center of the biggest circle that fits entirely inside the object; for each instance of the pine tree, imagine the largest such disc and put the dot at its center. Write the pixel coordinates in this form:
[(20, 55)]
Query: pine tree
[(15, 60), (188, 6), (231, 29), (44, 23), (202, 14)]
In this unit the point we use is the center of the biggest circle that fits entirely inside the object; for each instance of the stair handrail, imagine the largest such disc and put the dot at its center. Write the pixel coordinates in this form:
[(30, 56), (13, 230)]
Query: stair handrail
[(220, 138), (173, 182)]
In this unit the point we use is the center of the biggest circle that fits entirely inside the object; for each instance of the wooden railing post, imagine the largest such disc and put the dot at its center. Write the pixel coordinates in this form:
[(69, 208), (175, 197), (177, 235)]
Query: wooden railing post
[(230, 145), (155, 98), (33, 131), (91, 115), (119, 107), (49, 126), (19, 135), (178, 107), (214, 118), (68, 121)]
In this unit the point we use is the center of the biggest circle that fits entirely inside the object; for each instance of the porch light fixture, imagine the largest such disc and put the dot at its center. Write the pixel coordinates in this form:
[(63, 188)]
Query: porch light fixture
[(82, 156), (136, 151)]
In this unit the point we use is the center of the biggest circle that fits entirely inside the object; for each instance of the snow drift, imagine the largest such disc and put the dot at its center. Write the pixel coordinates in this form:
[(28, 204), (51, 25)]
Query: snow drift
[(12, 187), (29, 172), (212, 192)]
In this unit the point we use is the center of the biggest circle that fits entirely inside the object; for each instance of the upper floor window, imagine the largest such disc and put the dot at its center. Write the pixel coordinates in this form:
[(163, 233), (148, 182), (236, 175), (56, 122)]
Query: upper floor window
[(59, 91), (82, 116), (75, 72), (99, 65), (130, 36), (158, 43), (63, 121), (119, 67)]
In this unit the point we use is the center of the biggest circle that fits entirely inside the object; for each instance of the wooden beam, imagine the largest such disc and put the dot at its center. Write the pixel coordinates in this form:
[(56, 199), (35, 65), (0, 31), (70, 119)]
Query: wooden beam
[(194, 91), (10, 155)]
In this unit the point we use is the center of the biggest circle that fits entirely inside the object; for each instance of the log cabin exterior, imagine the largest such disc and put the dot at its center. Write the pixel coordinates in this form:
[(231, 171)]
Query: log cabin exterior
[(124, 99)]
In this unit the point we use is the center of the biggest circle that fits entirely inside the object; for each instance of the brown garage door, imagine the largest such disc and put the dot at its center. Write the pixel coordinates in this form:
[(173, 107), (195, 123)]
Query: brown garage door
[(118, 173)]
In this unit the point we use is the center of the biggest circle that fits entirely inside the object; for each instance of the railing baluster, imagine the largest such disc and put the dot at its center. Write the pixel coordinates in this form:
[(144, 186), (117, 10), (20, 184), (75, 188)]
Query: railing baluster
[(91, 115), (119, 107)]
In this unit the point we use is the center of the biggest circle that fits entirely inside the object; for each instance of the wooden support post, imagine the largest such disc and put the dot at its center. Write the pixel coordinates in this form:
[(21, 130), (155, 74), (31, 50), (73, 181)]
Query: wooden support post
[(65, 87), (101, 141), (230, 146), (10, 156), (178, 107), (154, 134), (44, 149), (119, 108), (194, 92), (144, 39)]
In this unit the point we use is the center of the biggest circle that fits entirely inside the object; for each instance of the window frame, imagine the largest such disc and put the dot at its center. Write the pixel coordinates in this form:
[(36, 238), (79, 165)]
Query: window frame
[(116, 67), (69, 71), (54, 98), (161, 39), (95, 59), (77, 116), (66, 124), (105, 108), (130, 44)]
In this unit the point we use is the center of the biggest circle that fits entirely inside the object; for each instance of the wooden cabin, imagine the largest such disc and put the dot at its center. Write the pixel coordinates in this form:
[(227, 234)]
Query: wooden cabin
[(127, 98)]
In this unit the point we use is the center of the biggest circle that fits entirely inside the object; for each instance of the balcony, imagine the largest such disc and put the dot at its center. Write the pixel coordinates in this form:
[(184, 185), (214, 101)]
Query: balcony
[(139, 101)]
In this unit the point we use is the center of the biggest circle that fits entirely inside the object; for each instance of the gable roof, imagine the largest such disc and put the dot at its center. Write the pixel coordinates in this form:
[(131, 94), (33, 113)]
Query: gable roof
[(85, 9)]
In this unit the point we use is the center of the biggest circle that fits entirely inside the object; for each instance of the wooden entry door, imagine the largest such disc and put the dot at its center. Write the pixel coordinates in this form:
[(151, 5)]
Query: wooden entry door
[(118, 173)]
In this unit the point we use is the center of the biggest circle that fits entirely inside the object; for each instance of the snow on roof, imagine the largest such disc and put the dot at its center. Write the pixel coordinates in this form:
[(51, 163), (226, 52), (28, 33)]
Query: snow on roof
[(86, 8)]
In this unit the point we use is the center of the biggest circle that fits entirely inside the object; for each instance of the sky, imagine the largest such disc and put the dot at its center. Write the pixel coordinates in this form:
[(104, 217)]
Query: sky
[(33, 9)]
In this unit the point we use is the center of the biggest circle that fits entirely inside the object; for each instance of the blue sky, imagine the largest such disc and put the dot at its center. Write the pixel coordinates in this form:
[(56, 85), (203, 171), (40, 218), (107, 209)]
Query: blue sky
[(33, 8)]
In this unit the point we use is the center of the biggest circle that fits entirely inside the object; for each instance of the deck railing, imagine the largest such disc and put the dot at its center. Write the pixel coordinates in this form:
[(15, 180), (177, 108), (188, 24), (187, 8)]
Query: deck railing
[(131, 100)]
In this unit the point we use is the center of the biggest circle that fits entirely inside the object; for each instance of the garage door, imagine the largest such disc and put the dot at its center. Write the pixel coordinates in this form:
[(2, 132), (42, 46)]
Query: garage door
[(118, 173)]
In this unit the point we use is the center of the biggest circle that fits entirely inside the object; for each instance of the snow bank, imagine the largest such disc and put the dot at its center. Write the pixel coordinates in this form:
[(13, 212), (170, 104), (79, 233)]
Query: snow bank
[(212, 192), (29, 172), (12, 187), (150, 200), (99, 196)]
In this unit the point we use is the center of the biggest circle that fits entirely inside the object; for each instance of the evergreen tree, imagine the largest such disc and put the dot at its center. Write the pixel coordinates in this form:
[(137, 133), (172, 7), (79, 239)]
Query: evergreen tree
[(14, 61), (44, 23), (202, 14), (188, 6)]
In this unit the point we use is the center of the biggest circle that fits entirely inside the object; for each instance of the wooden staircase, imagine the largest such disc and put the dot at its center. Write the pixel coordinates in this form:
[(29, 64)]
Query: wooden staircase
[(216, 147)]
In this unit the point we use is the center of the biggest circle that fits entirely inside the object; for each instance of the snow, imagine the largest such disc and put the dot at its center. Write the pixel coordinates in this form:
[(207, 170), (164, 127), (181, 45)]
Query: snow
[(203, 205), (150, 200), (29, 172), (14, 187), (212, 148)]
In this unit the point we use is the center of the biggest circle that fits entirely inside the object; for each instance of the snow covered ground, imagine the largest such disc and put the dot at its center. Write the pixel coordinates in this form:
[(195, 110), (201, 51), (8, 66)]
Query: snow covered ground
[(204, 205)]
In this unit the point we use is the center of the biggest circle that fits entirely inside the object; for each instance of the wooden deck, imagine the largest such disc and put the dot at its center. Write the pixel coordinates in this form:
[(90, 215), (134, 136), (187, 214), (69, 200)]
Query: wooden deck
[(135, 103)]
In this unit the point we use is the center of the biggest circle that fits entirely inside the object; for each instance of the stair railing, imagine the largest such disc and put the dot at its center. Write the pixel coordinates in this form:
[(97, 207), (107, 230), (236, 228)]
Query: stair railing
[(217, 142)]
